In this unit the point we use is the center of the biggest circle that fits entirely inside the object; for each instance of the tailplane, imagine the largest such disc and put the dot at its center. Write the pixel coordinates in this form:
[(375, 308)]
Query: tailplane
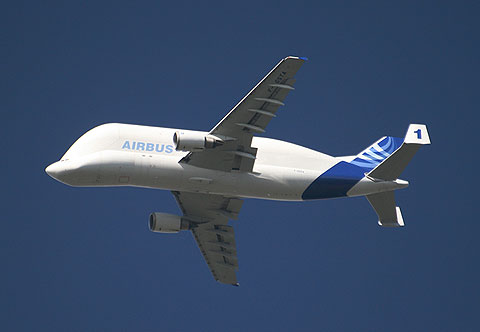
[(384, 205)]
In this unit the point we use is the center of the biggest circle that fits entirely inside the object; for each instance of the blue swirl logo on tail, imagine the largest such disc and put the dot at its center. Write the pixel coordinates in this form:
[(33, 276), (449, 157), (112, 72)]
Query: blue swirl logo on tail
[(377, 152)]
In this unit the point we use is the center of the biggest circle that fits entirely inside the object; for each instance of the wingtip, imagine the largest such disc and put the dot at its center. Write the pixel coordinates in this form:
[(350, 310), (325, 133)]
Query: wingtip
[(297, 57)]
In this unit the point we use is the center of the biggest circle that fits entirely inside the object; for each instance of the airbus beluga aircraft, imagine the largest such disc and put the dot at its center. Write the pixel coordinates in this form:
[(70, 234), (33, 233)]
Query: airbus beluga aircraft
[(210, 173)]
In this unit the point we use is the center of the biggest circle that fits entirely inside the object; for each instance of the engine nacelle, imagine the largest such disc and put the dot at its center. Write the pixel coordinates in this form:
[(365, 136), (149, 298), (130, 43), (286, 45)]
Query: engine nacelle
[(167, 223), (194, 141)]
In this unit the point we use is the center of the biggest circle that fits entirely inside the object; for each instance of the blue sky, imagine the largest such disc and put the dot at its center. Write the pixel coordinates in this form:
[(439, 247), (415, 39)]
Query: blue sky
[(83, 259)]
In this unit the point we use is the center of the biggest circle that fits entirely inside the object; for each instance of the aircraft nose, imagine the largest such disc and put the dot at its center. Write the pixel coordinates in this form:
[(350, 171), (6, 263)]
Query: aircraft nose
[(54, 170)]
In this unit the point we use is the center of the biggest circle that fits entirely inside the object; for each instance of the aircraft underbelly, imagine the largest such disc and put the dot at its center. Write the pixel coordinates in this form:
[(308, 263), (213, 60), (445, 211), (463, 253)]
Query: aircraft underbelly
[(272, 183), (115, 168), (269, 182)]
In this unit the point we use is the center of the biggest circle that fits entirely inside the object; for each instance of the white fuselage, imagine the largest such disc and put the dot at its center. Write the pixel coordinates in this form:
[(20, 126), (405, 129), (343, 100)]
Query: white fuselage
[(133, 155)]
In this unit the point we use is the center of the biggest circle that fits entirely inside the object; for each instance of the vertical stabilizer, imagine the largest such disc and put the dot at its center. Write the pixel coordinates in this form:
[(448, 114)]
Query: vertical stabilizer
[(391, 168)]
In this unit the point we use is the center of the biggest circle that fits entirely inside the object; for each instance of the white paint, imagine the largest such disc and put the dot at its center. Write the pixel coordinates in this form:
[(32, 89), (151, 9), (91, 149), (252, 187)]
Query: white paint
[(282, 170)]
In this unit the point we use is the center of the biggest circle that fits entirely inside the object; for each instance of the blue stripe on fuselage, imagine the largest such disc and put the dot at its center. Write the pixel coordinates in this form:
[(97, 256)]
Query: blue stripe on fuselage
[(335, 182)]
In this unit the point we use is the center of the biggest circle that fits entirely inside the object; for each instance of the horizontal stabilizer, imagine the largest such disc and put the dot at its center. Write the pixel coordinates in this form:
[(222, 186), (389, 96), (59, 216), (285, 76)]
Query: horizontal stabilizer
[(384, 205), (391, 168)]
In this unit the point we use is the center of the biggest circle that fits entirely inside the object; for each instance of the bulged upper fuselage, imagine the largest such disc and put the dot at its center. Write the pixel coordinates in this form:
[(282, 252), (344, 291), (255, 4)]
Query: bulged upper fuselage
[(132, 155)]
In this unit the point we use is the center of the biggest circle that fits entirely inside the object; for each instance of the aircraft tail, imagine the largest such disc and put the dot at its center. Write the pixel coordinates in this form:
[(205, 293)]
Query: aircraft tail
[(391, 168), (385, 160)]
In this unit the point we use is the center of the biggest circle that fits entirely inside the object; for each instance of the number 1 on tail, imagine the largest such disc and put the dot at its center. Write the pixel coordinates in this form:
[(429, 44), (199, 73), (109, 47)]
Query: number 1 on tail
[(419, 133)]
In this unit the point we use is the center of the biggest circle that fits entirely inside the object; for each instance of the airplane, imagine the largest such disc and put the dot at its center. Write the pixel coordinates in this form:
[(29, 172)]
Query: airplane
[(210, 173)]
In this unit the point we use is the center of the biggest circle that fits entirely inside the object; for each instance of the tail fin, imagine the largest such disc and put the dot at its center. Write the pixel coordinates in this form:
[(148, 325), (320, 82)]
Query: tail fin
[(376, 153), (391, 168), (387, 158)]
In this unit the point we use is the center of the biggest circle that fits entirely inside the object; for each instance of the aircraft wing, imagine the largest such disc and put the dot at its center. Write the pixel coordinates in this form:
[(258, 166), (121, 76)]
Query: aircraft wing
[(215, 239), (250, 116)]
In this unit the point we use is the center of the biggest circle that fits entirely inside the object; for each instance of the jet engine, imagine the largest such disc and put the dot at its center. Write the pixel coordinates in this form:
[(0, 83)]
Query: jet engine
[(167, 223), (194, 141)]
